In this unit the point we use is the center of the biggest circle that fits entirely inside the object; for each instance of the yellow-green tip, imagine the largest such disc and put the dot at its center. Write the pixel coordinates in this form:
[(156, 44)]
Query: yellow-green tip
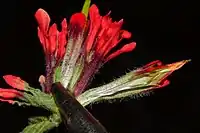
[(86, 7)]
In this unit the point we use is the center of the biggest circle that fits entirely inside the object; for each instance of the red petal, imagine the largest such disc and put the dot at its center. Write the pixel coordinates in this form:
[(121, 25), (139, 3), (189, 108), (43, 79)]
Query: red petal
[(43, 20), (15, 82), (126, 48)]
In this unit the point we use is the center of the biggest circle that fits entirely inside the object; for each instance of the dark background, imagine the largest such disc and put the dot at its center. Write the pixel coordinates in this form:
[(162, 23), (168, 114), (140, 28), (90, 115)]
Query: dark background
[(163, 30)]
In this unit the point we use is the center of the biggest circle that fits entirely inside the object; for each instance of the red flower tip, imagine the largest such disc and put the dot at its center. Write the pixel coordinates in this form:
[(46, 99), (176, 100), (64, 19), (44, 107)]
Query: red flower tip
[(94, 9), (126, 48), (126, 34), (43, 20), (14, 81), (77, 23), (64, 25), (9, 93)]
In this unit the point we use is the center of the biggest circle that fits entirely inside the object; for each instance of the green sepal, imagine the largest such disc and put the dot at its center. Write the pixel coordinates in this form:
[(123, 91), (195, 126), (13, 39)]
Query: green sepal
[(86, 7)]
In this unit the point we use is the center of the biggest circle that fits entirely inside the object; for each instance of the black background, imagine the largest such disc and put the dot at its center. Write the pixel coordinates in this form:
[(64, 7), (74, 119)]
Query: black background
[(163, 30)]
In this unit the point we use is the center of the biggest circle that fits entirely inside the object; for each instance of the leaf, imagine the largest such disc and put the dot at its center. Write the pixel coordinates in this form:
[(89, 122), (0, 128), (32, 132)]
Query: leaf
[(39, 127), (130, 84), (37, 98), (42, 124), (86, 7), (37, 119)]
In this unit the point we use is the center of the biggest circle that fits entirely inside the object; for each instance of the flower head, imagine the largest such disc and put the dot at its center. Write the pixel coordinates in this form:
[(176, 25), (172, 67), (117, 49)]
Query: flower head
[(89, 45), (73, 55)]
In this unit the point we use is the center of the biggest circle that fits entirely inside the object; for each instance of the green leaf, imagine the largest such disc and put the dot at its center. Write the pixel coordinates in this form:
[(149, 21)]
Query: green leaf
[(86, 7), (37, 98), (42, 124), (39, 127)]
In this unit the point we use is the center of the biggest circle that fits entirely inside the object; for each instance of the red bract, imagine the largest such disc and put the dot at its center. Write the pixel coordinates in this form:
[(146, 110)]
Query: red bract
[(52, 40), (53, 43), (9, 93), (104, 35), (6, 95), (15, 82)]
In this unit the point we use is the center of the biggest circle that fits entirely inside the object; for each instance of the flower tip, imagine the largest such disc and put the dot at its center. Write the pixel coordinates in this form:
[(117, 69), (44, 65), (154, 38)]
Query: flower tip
[(126, 34), (14, 81), (43, 19), (129, 47), (64, 24), (8, 77), (177, 65), (94, 7), (41, 13), (77, 22)]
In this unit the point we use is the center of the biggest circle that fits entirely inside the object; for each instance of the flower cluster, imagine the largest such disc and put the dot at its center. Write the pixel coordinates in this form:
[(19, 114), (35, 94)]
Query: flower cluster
[(73, 55)]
